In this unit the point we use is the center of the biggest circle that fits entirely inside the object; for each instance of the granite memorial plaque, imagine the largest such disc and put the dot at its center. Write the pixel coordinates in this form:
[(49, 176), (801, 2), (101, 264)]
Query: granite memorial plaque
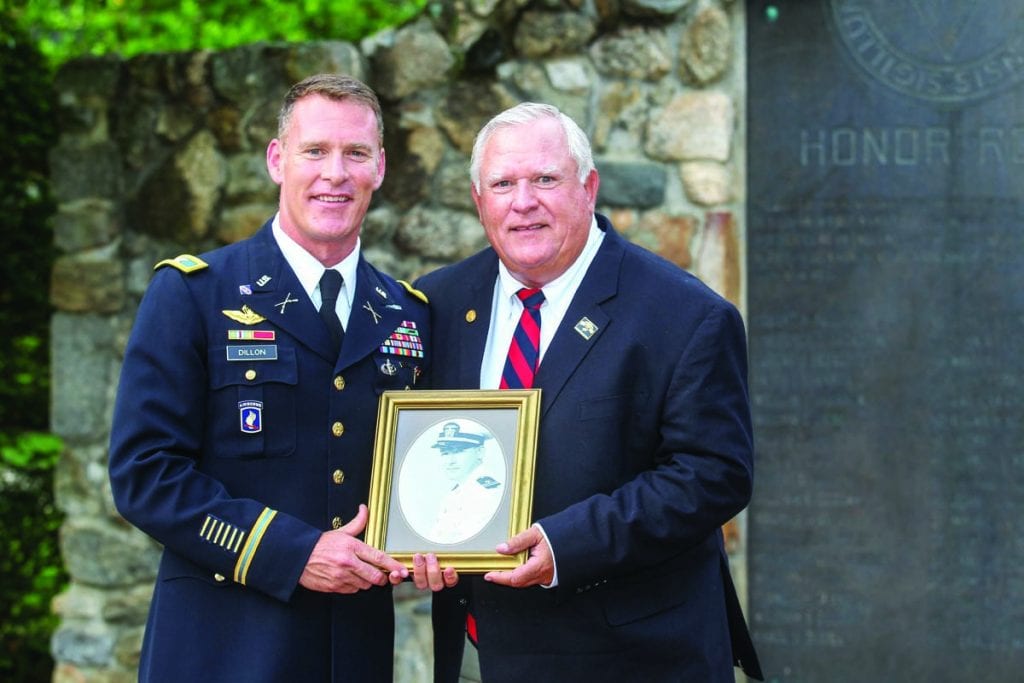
[(886, 322)]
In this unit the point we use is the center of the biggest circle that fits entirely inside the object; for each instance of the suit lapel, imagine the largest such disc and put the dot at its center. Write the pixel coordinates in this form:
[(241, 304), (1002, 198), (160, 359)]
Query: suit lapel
[(375, 315), (474, 317), (278, 296), (584, 322)]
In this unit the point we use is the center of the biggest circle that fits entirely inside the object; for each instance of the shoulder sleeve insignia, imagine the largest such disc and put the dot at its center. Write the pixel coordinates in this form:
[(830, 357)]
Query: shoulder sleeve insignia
[(186, 263), (415, 292), (488, 482)]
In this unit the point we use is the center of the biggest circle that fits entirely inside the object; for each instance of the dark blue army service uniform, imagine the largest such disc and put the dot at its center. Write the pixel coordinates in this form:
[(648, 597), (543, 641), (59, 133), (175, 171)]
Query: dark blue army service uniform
[(238, 437)]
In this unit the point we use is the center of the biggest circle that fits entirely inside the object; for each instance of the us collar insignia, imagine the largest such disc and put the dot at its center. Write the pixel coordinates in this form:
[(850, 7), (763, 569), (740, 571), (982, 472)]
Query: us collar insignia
[(586, 328), (246, 316), (264, 279), (381, 293)]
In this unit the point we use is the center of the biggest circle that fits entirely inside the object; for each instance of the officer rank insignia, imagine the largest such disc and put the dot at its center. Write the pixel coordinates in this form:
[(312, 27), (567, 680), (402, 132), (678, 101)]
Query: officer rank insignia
[(219, 532), (404, 341)]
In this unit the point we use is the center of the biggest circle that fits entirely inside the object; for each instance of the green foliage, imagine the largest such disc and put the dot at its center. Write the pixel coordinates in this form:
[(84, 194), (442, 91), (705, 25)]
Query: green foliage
[(31, 572), (70, 28), (26, 251)]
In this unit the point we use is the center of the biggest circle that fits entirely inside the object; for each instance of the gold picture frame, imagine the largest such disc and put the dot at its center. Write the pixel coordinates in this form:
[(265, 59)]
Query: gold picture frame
[(453, 475)]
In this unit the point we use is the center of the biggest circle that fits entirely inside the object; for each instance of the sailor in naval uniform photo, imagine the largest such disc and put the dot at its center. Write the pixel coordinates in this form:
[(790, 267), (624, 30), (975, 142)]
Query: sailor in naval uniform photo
[(474, 493)]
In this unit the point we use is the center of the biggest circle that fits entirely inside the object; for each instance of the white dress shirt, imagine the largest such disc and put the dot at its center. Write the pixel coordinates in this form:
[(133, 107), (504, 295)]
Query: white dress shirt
[(506, 309), (309, 272)]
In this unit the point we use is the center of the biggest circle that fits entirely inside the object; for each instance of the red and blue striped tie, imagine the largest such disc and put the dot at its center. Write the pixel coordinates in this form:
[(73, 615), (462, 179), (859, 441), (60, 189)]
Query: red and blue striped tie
[(520, 367), (524, 351)]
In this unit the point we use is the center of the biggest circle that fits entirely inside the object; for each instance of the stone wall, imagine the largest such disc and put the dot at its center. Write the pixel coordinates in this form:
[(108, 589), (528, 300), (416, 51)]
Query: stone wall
[(163, 154)]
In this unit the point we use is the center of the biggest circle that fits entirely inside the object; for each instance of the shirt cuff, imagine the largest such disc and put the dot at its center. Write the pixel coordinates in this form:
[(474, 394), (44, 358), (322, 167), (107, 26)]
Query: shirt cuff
[(554, 561)]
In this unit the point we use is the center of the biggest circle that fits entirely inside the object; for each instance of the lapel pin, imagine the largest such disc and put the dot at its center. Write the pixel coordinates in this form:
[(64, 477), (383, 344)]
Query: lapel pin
[(245, 290), (375, 314), (586, 328), (388, 368), (287, 300)]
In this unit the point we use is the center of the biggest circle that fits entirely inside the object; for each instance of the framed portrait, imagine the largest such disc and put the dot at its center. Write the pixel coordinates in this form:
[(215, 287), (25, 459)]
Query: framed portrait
[(453, 475)]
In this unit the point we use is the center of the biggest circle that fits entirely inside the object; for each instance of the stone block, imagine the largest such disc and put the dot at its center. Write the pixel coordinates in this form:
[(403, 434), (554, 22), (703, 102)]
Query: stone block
[(707, 183), (467, 106), (440, 233), (653, 9), (100, 554), (631, 183), (92, 282), (705, 50), (89, 171), (329, 56), (83, 368), (543, 34), (693, 125), (395, 75), (86, 224), (633, 53)]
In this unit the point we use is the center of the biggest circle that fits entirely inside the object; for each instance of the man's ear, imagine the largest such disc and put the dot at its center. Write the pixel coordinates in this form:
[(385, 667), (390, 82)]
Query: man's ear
[(274, 151)]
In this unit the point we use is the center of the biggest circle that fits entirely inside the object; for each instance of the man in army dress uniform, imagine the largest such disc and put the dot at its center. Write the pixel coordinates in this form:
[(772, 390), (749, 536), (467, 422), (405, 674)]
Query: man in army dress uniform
[(244, 423)]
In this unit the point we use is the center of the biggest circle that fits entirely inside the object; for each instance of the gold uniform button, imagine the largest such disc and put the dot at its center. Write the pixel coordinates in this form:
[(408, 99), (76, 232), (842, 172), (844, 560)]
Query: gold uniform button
[(339, 382), (470, 316), (337, 429), (219, 578), (338, 476), (336, 522), (250, 375)]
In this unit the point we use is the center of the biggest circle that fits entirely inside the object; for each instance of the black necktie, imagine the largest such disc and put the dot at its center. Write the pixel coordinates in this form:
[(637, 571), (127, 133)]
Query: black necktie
[(330, 286)]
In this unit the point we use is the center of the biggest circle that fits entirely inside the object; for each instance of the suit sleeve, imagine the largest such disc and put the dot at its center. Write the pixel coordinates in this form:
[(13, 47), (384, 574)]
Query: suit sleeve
[(701, 474), (157, 446)]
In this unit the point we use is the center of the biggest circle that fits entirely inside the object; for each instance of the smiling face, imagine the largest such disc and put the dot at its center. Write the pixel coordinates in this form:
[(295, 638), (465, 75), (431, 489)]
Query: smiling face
[(533, 207), (328, 163)]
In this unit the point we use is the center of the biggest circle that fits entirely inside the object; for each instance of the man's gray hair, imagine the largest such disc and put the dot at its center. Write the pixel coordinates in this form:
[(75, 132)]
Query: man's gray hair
[(528, 112)]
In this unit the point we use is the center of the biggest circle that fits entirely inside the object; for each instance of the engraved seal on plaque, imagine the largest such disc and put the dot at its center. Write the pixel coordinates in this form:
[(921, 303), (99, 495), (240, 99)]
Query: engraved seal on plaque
[(948, 52)]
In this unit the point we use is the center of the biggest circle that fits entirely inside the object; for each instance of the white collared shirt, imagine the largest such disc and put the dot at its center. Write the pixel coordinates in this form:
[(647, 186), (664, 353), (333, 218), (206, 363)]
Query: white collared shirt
[(507, 308), (309, 271)]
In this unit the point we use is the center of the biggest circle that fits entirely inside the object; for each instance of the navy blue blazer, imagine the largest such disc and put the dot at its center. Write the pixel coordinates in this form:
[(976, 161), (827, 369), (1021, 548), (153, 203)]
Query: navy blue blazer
[(645, 451), (239, 436)]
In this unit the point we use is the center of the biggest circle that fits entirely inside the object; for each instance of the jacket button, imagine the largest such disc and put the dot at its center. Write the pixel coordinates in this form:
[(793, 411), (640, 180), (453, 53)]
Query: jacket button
[(336, 522), (337, 429), (250, 375), (219, 578), (338, 476), (339, 382)]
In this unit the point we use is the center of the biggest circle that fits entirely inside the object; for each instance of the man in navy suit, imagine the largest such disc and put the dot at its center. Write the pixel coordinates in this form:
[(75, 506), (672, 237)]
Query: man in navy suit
[(645, 446), (243, 430)]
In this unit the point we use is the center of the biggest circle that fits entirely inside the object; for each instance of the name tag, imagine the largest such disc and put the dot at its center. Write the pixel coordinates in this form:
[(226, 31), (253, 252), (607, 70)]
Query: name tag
[(250, 353)]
